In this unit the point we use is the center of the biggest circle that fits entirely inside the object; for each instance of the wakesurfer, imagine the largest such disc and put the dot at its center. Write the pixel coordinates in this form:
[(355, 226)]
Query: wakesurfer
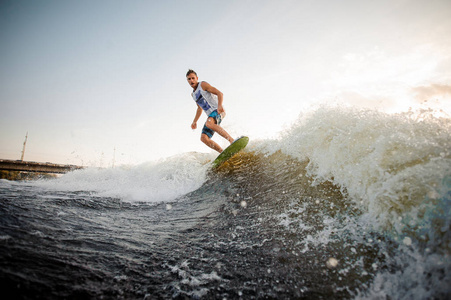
[(208, 99)]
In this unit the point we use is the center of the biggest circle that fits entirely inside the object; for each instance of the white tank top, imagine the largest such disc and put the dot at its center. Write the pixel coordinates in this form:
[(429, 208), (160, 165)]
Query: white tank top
[(206, 100)]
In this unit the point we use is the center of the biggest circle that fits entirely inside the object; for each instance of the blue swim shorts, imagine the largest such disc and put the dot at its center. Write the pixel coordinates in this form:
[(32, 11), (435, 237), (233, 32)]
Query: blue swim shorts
[(218, 119)]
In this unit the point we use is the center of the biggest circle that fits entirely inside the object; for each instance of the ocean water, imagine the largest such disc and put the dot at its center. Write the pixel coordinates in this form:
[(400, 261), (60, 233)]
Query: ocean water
[(346, 204)]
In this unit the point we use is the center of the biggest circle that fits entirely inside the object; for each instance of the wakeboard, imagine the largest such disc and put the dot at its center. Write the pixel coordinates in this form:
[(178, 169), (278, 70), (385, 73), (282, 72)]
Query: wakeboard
[(230, 151)]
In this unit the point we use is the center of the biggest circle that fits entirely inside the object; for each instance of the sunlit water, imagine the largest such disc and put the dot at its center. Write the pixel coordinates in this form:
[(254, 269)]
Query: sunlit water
[(347, 204)]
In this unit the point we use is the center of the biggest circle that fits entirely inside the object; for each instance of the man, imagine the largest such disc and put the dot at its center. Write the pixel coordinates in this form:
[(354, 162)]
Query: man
[(208, 99)]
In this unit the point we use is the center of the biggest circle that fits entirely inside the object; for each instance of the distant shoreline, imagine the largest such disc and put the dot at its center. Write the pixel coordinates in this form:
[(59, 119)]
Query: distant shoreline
[(25, 170)]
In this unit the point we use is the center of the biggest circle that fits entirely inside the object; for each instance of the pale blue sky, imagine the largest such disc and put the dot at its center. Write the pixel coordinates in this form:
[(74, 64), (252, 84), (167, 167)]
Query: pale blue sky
[(85, 77)]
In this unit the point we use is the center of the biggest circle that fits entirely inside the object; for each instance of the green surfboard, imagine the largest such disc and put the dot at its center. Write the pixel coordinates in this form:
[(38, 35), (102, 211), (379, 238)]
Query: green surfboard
[(234, 148)]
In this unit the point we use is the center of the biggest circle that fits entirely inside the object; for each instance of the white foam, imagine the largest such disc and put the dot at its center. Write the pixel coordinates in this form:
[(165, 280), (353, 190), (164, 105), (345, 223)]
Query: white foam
[(397, 170), (386, 162), (159, 181)]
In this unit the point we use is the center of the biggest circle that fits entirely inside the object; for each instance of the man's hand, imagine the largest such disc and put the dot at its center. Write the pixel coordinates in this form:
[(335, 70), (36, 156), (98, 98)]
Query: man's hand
[(220, 109), (193, 125)]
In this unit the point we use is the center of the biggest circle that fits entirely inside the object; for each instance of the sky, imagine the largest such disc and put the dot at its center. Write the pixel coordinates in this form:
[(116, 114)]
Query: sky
[(97, 83)]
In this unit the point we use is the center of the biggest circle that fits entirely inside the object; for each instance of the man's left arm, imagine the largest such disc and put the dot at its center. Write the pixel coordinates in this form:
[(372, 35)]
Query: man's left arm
[(211, 89)]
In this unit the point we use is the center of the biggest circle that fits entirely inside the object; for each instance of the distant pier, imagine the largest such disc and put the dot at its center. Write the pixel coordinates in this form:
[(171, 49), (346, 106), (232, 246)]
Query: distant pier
[(31, 166)]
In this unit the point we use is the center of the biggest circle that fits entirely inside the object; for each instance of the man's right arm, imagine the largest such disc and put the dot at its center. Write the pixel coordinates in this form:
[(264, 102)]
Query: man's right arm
[(196, 118)]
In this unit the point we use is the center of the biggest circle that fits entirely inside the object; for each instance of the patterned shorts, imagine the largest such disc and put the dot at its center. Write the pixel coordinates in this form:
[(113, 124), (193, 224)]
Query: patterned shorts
[(218, 119)]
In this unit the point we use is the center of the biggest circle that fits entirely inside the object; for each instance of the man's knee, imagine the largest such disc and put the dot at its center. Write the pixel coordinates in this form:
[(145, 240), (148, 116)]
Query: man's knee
[(204, 138)]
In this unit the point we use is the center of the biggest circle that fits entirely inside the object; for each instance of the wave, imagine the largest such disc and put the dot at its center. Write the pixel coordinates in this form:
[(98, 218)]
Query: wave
[(392, 166), (376, 185), (152, 182), (389, 164), (395, 169)]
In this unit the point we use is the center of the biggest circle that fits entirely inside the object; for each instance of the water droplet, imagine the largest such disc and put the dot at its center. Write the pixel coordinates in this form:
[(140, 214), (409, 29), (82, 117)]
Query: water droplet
[(407, 241), (332, 263), (168, 206), (433, 195)]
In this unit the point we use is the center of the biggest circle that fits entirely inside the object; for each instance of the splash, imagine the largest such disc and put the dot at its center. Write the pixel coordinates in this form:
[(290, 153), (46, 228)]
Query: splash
[(387, 163), (152, 182), (396, 171)]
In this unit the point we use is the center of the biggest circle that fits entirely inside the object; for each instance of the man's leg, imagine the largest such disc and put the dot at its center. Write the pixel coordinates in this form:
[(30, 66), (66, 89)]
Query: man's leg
[(210, 143), (211, 123)]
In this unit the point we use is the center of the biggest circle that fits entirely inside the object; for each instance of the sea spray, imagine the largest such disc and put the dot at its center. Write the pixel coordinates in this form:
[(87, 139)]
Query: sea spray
[(388, 163), (152, 182), (396, 170)]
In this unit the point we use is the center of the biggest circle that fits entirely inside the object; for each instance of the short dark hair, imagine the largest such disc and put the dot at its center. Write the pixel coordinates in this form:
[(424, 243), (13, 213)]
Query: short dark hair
[(190, 72)]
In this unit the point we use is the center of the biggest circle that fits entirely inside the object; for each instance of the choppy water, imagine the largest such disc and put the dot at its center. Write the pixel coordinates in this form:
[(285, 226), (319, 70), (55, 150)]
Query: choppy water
[(347, 204)]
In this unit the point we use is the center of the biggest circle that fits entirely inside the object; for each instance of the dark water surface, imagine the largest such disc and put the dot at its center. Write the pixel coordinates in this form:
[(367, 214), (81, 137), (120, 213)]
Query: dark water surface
[(223, 240)]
